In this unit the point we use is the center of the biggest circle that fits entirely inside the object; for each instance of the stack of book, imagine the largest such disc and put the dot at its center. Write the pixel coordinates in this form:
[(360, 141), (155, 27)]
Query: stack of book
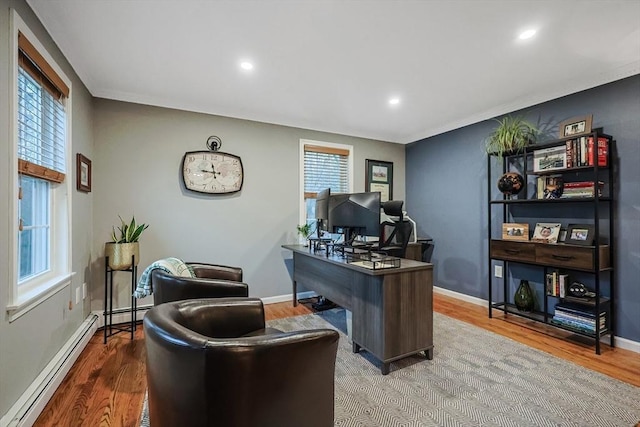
[(583, 152), (556, 284), (581, 189), (578, 317)]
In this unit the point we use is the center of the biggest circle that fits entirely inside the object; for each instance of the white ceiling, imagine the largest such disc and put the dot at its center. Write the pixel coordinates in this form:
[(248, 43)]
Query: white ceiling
[(333, 65)]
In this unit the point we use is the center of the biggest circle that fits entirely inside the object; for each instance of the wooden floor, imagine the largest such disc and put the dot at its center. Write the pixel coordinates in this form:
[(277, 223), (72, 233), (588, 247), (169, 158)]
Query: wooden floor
[(106, 385)]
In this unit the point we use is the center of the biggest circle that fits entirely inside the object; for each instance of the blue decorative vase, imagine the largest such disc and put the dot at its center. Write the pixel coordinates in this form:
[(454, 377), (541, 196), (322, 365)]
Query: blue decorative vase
[(523, 297)]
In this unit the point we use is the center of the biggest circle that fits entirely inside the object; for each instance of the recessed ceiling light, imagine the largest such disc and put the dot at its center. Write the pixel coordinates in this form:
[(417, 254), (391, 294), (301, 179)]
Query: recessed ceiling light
[(394, 101), (246, 65), (527, 34)]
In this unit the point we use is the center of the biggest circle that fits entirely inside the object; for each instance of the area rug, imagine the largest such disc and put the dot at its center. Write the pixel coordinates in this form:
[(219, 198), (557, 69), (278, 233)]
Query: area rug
[(476, 378)]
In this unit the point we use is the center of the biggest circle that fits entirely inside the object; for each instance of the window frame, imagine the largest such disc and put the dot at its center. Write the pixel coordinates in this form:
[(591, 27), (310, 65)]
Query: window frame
[(31, 293), (330, 145)]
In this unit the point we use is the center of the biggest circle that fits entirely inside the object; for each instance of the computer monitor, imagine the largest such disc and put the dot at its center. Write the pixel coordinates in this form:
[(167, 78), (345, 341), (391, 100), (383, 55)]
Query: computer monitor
[(355, 214), (322, 211)]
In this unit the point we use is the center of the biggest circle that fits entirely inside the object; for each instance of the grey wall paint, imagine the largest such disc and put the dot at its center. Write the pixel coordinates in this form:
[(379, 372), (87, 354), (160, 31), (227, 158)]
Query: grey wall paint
[(447, 186), (138, 155), (29, 343)]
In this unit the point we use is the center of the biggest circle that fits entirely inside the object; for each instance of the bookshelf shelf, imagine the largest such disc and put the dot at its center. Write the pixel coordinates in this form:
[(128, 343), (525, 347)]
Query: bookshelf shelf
[(579, 165)]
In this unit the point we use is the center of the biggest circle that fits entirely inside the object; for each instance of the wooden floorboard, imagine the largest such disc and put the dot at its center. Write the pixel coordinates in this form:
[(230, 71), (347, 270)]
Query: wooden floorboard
[(106, 385)]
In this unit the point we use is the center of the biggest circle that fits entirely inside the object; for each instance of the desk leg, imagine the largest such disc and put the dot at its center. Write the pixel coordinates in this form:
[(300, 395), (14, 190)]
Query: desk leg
[(106, 284), (295, 293), (355, 347), (429, 354), (385, 368)]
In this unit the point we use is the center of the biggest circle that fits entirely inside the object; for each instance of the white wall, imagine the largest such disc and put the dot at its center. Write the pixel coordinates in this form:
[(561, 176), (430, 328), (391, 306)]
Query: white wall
[(137, 164)]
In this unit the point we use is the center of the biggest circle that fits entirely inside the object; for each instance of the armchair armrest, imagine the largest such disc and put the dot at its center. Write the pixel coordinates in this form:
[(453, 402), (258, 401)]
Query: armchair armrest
[(167, 287), (214, 271)]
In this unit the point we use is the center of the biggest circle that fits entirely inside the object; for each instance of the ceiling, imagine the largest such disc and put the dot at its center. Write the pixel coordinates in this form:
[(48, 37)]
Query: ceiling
[(333, 65)]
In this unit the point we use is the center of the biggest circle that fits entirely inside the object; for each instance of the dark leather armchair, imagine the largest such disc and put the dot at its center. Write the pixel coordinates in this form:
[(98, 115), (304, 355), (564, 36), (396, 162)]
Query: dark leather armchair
[(214, 362), (211, 281)]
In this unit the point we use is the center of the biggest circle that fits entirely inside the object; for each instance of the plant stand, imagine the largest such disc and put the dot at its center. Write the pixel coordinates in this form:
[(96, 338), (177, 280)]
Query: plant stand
[(109, 328)]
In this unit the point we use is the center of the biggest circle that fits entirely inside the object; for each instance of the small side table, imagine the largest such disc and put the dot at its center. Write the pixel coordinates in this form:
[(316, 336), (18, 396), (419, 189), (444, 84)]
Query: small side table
[(109, 328)]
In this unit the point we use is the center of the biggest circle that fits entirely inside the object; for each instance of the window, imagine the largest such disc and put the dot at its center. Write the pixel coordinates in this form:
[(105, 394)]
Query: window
[(324, 165), (42, 254)]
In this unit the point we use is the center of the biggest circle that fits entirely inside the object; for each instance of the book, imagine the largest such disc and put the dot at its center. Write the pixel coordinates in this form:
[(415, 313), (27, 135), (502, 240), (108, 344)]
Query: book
[(602, 151), (569, 150), (589, 301)]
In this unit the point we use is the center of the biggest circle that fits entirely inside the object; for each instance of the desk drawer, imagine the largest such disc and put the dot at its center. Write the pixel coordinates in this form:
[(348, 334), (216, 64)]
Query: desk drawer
[(513, 251), (567, 256)]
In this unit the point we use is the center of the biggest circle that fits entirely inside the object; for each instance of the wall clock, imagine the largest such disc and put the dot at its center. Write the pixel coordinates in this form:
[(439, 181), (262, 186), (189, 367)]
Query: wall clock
[(211, 171)]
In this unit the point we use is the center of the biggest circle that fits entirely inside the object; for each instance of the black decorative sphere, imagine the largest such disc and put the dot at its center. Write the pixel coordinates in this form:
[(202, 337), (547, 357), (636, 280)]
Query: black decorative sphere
[(510, 183)]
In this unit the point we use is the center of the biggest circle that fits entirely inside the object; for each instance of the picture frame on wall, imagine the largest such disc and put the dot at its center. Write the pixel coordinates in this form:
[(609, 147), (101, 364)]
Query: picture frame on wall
[(515, 231), (379, 177), (580, 234), (576, 126), (83, 173)]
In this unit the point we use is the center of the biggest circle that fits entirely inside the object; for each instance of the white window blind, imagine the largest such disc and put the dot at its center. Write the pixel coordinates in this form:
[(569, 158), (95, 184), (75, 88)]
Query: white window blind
[(325, 167), (41, 116)]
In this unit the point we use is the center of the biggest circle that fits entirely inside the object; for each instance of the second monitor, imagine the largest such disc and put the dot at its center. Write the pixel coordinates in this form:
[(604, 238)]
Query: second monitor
[(354, 214)]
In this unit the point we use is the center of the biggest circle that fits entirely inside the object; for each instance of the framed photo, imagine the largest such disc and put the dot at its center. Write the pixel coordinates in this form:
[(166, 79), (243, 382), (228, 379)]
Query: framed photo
[(379, 177), (580, 234), (549, 159), (83, 173), (546, 232), (576, 126), (515, 231)]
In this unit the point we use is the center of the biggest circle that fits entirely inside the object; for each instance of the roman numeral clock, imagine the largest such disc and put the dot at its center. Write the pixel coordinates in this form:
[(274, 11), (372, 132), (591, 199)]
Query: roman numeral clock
[(212, 171)]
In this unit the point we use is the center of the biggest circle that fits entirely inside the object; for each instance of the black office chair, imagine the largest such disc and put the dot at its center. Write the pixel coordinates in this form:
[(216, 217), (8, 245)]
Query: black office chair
[(394, 234)]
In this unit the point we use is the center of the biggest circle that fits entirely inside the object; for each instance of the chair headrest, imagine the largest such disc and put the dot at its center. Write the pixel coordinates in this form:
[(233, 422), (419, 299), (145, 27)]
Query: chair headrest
[(393, 207)]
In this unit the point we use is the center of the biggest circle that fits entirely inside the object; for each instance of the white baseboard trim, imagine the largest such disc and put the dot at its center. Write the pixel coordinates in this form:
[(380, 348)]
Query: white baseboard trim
[(287, 298), (623, 343), (28, 407), (122, 315)]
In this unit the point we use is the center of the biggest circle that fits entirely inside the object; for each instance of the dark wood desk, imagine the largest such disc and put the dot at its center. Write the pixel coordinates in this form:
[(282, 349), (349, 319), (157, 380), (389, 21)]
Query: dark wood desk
[(392, 309)]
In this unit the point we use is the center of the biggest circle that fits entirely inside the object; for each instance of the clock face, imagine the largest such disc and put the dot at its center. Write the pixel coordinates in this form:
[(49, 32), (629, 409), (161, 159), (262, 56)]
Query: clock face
[(212, 172)]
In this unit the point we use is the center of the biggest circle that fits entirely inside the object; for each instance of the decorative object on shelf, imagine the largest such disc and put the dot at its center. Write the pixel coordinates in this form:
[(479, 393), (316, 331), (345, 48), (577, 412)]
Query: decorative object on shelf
[(580, 234), (515, 231), (549, 159), (576, 126), (523, 298), (305, 231), (379, 177), (578, 289), (125, 246), (553, 187), (546, 232), (83, 173), (212, 172), (511, 183), (511, 135)]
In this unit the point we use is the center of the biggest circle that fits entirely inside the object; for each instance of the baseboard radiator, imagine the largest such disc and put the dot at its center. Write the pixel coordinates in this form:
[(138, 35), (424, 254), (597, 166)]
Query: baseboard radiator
[(28, 407)]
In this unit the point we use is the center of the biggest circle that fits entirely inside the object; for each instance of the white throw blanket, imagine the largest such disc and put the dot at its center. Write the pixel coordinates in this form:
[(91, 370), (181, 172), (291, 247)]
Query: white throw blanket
[(174, 266)]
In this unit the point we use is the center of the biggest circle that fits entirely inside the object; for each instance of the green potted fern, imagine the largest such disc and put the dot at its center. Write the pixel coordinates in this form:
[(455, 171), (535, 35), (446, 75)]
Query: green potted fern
[(511, 135), (124, 246)]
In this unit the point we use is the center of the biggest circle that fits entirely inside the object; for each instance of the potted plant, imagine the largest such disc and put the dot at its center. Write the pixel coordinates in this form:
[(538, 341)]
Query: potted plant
[(124, 245), (304, 231), (511, 135)]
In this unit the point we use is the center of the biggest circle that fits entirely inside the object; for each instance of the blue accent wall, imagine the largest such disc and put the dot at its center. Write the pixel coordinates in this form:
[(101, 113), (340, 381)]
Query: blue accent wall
[(446, 192)]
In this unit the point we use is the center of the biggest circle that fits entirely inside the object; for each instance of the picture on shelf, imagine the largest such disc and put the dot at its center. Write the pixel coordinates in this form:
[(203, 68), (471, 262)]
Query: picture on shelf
[(580, 234), (546, 232), (549, 159), (515, 231), (576, 126)]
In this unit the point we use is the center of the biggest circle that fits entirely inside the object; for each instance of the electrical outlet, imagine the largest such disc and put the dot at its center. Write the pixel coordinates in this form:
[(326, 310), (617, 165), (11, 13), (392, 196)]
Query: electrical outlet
[(498, 271), (84, 290), (78, 295)]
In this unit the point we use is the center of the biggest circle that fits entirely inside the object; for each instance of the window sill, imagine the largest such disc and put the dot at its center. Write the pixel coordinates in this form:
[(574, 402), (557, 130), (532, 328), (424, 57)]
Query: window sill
[(30, 300)]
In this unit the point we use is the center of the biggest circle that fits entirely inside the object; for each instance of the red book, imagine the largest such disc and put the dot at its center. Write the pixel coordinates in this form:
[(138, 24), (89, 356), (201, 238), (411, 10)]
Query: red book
[(570, 153), (603, 151), (590, 151)]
